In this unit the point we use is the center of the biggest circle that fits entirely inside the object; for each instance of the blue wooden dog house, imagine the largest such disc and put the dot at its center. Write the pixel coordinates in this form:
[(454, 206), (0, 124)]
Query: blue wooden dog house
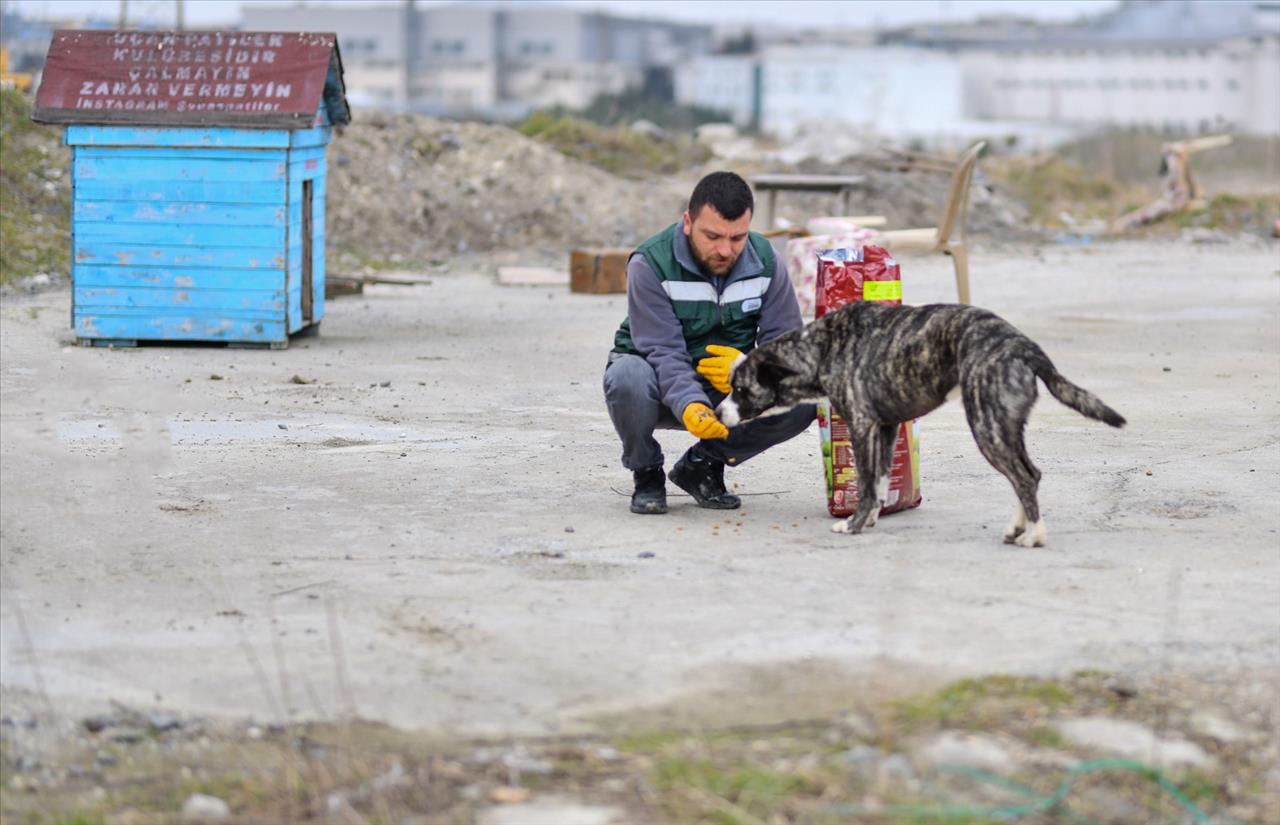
[(198, 173)]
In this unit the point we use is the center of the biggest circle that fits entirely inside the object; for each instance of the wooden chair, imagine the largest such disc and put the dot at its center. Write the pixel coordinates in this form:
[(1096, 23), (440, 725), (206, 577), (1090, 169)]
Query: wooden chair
[(948, 237)]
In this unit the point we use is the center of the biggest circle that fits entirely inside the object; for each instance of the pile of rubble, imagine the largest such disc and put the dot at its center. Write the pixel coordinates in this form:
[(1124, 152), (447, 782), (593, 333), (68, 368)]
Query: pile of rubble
[(910, 188), (412, 190)]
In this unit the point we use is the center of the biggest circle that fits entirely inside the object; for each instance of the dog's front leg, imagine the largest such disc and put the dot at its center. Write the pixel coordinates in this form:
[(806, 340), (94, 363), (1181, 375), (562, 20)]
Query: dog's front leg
[(866, 453)]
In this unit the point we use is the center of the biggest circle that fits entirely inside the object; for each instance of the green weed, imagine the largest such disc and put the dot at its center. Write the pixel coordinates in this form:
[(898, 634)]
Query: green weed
[(35, 194)]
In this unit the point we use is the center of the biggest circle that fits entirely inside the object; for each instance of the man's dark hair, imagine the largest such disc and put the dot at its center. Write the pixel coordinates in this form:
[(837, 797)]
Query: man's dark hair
[(725, 191)]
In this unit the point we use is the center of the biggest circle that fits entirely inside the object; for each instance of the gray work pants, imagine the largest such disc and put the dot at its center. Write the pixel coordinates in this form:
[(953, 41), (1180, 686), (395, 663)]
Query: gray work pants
[(636, 408)]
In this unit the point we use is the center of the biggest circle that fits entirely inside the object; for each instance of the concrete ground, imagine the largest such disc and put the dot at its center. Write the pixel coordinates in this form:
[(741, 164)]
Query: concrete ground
[(435, 532)]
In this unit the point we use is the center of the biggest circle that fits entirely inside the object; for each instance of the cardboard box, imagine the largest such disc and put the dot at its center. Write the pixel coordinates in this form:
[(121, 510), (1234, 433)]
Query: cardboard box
[(598, 270), (866, 273)]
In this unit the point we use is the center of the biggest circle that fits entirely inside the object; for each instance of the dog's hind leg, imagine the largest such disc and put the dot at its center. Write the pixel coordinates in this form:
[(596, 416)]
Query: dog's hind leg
[(866, 437), (1028, 484), (997, 401), (1017, 525)]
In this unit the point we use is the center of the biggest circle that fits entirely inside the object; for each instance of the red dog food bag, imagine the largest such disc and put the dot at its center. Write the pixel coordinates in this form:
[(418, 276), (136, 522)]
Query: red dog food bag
[(867, 273)]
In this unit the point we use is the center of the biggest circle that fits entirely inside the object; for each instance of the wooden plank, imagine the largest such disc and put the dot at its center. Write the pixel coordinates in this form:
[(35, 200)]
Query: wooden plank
[(307, 153), (598, 270), (133, 136), (295, 237), (807, 183), (169, 234), (102, 252), (104, 299), (310, 169), (191, 278), (106, 153), (272, 192), (177, 169), (244, 214), (532, 276), (335, 287), (295, 305), (315, 136), (153, 325), (186, 312)]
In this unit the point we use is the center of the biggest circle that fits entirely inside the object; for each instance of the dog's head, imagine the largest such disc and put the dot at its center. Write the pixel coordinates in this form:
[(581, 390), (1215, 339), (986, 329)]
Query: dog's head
[(771, 380)]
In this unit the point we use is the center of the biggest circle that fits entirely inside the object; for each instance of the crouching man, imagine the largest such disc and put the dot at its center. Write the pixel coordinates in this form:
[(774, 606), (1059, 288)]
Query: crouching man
[(702, 292)]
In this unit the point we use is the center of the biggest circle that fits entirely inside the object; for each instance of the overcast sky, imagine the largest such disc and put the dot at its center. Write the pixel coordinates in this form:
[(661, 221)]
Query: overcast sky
[(844, 13)]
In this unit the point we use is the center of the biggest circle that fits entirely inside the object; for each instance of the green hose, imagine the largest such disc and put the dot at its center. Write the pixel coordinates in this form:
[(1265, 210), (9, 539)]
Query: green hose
[(1037, 805)]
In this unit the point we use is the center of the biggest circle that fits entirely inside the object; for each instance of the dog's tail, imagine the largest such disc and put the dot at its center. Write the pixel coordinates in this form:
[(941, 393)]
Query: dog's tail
[(1077, 398)]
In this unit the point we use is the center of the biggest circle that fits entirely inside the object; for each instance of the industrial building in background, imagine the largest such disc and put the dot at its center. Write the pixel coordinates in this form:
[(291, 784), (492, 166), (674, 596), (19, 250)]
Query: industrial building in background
[(1176, 66), (493, 61)]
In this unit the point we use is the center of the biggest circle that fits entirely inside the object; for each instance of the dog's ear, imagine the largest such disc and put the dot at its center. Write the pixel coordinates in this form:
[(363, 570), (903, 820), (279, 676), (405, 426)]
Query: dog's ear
[(774, 367)]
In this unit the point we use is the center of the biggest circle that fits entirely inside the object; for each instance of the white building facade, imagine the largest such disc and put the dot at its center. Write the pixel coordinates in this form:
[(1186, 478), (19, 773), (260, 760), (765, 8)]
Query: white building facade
[(487, 59), (1185, 67), (1182, 66), (725, 83), (1178, 87), (887, 90)]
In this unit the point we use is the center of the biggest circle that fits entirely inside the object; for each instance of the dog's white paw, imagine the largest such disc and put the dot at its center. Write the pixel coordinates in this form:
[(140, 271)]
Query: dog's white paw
[(1017, 526), (843, 526), (1033, 536)]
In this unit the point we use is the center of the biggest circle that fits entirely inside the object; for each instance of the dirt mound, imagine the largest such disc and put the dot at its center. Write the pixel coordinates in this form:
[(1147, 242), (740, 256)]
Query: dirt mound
[(412, 189)]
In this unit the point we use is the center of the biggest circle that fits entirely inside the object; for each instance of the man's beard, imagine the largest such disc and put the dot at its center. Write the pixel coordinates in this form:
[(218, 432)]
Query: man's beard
[(704, 264)]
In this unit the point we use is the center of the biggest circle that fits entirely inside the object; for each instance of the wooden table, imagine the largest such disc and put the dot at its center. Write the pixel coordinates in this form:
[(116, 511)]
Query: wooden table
[(842, 185)]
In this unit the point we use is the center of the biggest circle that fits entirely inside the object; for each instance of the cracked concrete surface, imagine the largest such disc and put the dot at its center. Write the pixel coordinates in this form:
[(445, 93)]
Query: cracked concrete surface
[(447, 553)]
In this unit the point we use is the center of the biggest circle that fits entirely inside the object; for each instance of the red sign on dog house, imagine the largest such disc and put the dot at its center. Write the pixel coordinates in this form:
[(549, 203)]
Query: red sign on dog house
[(254, 79)]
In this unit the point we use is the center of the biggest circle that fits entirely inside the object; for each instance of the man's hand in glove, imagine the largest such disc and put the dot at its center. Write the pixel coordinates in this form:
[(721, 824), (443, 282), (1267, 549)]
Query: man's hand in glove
[(701, 420), (717, 366)]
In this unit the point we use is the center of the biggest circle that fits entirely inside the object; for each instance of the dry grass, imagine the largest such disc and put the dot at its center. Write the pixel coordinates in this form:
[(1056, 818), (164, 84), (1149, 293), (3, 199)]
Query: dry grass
[(865, 767), (1102, 177), (35, 194)]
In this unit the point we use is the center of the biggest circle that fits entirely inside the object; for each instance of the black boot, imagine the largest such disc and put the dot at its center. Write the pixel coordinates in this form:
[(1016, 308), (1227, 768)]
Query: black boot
[(703, 478), (651, 491)]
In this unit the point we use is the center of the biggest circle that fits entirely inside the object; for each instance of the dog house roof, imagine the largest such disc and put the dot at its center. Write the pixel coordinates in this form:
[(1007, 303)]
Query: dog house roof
[(268, 80)]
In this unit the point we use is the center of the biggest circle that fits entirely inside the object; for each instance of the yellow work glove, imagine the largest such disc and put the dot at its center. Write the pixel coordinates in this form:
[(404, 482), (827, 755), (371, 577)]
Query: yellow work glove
[(717, 366), (701, 420)]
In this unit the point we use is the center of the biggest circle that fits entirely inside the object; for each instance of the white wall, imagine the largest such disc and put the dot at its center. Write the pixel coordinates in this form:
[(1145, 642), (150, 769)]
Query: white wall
[(897, 91), (725, 83), (1235, 85), (570, 84), (1263, 100)]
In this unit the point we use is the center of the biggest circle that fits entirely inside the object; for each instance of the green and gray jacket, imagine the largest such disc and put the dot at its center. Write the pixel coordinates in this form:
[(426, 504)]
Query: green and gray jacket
[(674, 311)]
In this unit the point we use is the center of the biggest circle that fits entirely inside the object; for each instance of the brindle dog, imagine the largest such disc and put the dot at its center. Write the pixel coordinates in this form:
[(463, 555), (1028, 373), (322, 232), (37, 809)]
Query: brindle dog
[(881, 365)]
